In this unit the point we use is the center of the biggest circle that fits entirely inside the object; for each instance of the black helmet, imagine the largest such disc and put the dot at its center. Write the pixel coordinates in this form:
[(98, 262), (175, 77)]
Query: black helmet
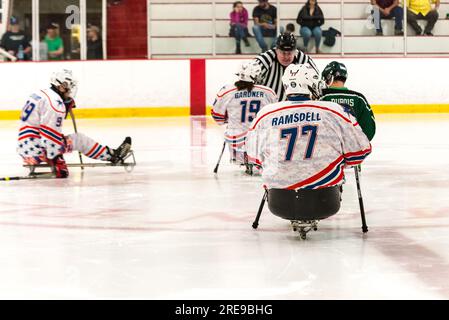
[(286, 42), (334, 71)]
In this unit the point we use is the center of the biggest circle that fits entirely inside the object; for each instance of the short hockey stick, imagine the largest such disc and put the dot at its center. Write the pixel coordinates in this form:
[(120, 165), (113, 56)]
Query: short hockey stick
[(262, 204), (72, 116), (47, 175), (219, 159), (359, 192)]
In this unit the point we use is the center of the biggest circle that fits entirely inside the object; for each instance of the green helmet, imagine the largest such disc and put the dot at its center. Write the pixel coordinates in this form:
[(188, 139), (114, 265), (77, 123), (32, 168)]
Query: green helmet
[(333, 71)]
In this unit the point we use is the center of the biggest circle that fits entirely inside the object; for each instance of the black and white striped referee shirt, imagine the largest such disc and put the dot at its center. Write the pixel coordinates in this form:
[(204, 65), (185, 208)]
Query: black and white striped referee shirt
[(272, 70)]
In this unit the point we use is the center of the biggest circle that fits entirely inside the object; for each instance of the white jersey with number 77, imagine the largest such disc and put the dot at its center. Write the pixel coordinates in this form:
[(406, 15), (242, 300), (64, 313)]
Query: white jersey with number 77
[(305, 144)]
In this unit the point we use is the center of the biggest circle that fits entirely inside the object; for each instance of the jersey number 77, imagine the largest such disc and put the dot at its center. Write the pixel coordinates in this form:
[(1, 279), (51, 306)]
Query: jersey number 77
[(292, 133)]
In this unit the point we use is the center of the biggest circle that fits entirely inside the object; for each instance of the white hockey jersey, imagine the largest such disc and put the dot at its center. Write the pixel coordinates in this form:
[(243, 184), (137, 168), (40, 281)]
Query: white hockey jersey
[(237, 109), (41, 122), (305, 144)]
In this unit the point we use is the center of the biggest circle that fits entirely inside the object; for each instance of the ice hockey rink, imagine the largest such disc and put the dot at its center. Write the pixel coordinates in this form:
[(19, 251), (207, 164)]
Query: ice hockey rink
[(171, 229)]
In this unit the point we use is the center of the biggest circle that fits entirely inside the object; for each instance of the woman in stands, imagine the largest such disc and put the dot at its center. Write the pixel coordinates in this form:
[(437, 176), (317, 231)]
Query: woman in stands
[(239, 25), (311, 18)]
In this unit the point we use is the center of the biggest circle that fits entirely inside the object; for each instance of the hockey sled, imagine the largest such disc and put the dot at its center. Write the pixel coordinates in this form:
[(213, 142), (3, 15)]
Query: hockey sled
[(303, 208), (128, 163)]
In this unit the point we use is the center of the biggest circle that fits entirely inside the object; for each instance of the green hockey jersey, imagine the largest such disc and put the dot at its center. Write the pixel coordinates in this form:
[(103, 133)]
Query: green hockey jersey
[(356, 104)]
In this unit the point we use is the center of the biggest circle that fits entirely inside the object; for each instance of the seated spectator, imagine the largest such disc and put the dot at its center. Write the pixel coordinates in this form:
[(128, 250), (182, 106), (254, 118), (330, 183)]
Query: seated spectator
[(265, 23), (422, 9), (16, 42), (290, 28), (387, 9), (311, 18), (239, 25), (94, 44), (54, 43)]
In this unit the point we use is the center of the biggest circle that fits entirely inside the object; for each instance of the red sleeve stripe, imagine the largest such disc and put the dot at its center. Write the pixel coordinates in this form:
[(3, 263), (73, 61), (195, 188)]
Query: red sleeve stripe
[(101, 151), (92, 150), (357, 153), (52, 130), (30, 136), (300, 106), (45, 135), (29, 127)]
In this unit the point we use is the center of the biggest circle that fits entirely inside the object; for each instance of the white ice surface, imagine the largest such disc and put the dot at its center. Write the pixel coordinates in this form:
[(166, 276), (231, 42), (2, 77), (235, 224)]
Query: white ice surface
[(172, 230)]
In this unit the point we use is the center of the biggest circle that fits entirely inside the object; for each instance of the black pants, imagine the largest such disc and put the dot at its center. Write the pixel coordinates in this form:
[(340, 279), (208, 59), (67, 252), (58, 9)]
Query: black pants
[(431, 18), (304, 204)]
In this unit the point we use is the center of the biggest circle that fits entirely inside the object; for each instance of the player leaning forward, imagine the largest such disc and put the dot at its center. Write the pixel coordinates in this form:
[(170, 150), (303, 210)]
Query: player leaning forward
[(304, 146), (238, 104), (40, 133)]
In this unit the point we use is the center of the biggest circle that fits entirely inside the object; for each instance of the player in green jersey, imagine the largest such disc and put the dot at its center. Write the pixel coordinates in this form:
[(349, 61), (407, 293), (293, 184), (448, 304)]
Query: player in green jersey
[(335, 75)]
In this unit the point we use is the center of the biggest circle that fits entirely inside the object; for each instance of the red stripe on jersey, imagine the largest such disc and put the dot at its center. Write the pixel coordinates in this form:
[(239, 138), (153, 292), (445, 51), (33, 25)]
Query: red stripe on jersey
[(357, 153), (51, 138), (301, 106), (317, 176), (92, 150), (51, 104), (237, 136), (335, 181), (52, 130), (218, 96), (29, 136), (266, 89), (101, 151), (29, 127)]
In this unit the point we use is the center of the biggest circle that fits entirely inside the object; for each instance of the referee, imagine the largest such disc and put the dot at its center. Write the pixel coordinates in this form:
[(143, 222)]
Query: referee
[(275, 61)]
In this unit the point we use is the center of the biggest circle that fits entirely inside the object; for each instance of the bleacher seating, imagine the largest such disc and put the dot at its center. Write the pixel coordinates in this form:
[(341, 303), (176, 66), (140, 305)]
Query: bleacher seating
[(180, 28)]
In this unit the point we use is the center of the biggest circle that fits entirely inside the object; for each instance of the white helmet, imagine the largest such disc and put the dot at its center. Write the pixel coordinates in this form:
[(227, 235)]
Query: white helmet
[(301, 79), (65, 78), (249, 72)]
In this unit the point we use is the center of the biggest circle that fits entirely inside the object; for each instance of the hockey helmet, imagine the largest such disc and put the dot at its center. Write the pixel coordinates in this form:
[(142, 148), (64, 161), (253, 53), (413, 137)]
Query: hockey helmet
[(66, 79), (286, 42), (301, 79), (249, 72), (334, 70)]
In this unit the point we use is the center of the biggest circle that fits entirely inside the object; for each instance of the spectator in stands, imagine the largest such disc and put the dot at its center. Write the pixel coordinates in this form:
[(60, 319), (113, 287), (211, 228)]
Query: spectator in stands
[(422, 9), (265, 23), (16, 42), (290, 28), (311, 18), (239, 25), (94, 43), (54, 43), (387, 9)]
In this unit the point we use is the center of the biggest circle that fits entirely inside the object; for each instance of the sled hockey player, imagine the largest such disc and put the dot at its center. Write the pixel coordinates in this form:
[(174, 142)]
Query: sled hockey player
[(335, 75), (40, 134), (238, 104), (304, 147)]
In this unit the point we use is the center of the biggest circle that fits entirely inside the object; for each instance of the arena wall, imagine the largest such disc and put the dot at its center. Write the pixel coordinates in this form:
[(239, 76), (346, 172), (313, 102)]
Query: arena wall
[(163, 87)]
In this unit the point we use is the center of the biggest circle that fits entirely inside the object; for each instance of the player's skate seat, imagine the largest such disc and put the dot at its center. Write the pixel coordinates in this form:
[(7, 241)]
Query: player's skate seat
[(304, 204), (304, 208)]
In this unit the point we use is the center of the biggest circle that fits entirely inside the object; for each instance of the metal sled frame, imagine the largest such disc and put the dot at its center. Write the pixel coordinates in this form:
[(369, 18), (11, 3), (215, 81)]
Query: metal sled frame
[(304, 226), (128, 166)]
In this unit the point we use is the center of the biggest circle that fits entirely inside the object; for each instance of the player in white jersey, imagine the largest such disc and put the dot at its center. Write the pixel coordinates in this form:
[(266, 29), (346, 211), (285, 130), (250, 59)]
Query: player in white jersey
[(238, 104), (40, 134), (303, 147)]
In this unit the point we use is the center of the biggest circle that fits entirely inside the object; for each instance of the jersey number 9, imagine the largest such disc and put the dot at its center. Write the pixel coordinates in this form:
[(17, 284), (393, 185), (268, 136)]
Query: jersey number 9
[(249, 115), (27, 110)]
